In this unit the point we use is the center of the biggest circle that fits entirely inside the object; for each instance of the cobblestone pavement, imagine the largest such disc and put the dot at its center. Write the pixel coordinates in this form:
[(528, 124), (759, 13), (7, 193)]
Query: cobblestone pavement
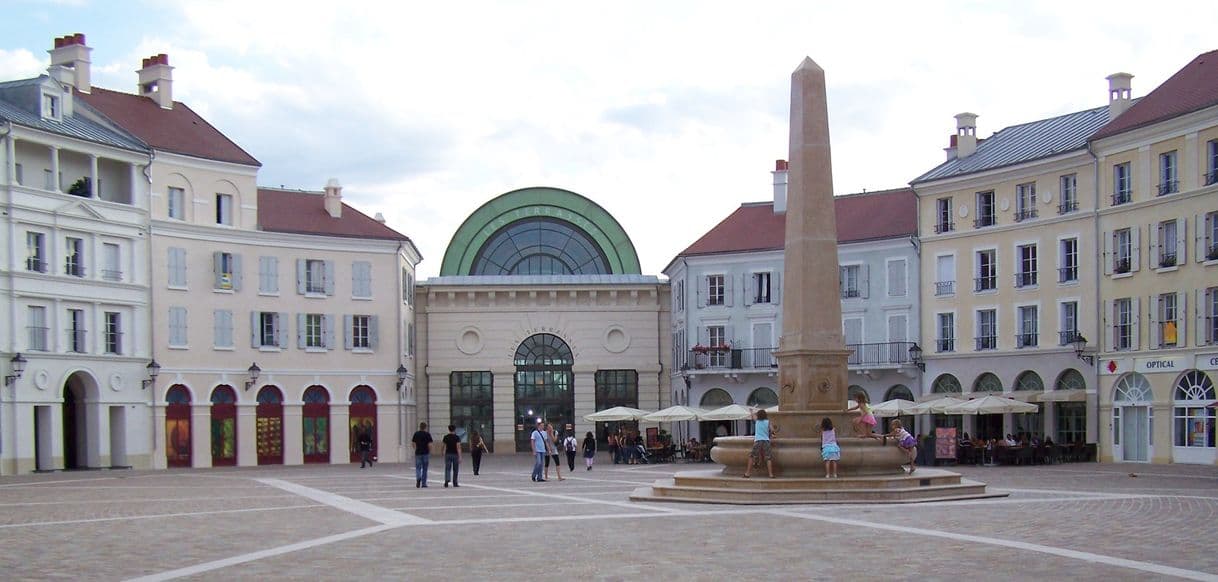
[(1074, 521)]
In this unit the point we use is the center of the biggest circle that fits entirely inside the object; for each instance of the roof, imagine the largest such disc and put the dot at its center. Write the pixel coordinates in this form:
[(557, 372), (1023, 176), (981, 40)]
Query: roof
[(78, 125), (1023, 143), (1192, 88), (543, 280), (301, 212), (179, 130), (860, 217)]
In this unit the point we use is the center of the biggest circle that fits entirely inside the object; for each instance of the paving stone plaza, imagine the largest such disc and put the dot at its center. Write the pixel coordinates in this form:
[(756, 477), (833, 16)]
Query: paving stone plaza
[(1080, 522)]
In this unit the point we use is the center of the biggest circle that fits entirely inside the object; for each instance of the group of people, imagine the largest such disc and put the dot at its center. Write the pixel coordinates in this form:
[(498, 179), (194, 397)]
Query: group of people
[(627, 446), (546, 446), (452, 454)]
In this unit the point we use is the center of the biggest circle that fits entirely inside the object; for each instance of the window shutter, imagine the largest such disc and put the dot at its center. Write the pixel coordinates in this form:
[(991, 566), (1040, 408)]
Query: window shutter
[(218, 328), (729, 286), (216, 267), (1156, 334), (1181, 241), (272, 274), (703, 289), (255, 329), (281, 328), (1199, 233), (703, 335), (776, 287), (237, 272), (329, 277), (300, 331), (327, 330), (301, 276), (1155, 232), (1107, 332), (348, 325), (750, 285), (1135, 252), (865, 281), (1107, 258), (1182, 319), (1136, 309), (841, 281), (373, 333), (729, 334), (1203, 300)]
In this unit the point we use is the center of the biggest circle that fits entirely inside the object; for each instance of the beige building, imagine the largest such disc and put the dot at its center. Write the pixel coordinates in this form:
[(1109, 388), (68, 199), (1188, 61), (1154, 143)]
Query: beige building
[(1157, 166)]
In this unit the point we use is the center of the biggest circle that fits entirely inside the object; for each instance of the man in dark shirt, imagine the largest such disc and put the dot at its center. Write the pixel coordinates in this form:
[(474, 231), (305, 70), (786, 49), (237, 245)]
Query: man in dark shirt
[(452, 455), (365, 447), (422, 454)]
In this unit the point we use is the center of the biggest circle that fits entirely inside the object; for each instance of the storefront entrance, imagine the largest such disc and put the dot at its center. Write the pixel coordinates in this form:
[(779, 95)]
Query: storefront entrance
[(362, 418), (544, 385), (177, 426), (1131, 419), (315, 423), (224, 427), (269, 426)]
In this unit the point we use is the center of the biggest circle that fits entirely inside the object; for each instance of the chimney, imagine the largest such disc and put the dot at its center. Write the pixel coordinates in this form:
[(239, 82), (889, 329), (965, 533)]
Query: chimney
[(156, 80), (334, 198), (780, 186), (1120, 94), (966, 134), (379, 218), (951, 147), (70, 52)]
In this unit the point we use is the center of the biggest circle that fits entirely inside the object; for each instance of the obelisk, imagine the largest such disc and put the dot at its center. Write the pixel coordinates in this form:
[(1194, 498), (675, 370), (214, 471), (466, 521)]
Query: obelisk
[(811, 353)]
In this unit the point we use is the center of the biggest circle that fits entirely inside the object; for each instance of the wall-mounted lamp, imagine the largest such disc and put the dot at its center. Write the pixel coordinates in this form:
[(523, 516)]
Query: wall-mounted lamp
[(154, 370), (19, 363), (915, 356), (254, 372), (1080, 349), (402, 372)]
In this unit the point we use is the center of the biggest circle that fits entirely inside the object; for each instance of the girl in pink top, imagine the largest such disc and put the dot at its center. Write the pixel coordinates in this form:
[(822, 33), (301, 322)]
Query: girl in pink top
[(864, 424)]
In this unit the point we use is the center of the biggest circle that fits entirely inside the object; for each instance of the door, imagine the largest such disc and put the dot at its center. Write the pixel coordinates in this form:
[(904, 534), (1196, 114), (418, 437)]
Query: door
[(223, 427), (1135, 433), (177, 427), (945, 275), (315, 425), (361, 418), (269, 426)]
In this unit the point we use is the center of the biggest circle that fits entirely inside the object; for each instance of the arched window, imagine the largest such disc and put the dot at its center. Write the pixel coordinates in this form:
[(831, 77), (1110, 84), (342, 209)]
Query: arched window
[(763, 398), (716, 398), (1070, 380), (946, 384), (899, 391), (178, 394), (543, 384), (1132, 387), (540, 246), (1194, 419), (315, 395), (1029, 381), (270, 395), (987, 382), (363, 395), (543, 350), (223, 394)]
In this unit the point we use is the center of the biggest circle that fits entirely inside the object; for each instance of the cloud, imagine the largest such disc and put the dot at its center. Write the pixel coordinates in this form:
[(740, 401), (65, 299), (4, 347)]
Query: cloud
[(20, 64)]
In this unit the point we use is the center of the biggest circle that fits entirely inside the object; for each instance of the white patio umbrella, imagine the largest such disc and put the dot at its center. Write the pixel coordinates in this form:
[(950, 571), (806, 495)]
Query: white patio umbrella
[(675, 414), (851, 405), (992, 405), (936, 406), (616, 414), (729, 412), (894, 407)]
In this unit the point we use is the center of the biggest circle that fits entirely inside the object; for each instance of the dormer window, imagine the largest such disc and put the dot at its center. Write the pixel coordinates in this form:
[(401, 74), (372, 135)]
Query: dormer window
[(51, 108)]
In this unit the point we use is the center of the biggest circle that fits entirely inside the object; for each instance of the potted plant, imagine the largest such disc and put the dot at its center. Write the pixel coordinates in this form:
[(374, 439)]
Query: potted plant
[(82, 187), (1213, 254), (1121, 267)]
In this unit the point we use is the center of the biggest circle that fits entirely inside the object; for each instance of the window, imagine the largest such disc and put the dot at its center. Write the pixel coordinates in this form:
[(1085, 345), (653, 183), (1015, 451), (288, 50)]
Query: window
[(1211, 237), (471, 401), (717, 338), (1028, 336), (112, 271), (315, 277), (223, 328), (1071, 422), (896, 278), (76, 331), (987, 329), (36, 324), (1194, 420), (268, 275), (50, 107), (314, 330), (268, 329), (946, 342), (114, 333), (177, 327), (409, 339), (761, 287), (1067, 272), (177, 268), (945, 273), (850, 281), (1167, 239), (1167, 326), (361, 279), (227, 270), (943, 215), (540, 246), (20, 174), (679, 296), (1211, 173), (224, 209), (1122, 246), (1121, 184), (987, 271), (1025, 201), (715, 292), (1168, 179), (177, 203), (1122, 329), (985, 210), (616, 388), (361, 332), (1068, 202), (1027, 275), (1210, 309), (35, 252), (1068, 320), (74, 257)]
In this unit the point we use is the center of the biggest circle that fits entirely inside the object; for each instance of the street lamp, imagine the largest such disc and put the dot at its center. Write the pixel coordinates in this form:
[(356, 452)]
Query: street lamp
[(154, 370), (254, 372), (915, 356), (1080, 346), (402, 371), (19, 363)]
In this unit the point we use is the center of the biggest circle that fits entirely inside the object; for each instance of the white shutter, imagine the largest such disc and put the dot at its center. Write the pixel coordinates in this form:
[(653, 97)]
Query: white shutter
[(237, 270), (1181, 241), (1156, 333), (301, 276), (703, 335), (348, 326), (729, 334), (1199, 235), (255, 329), (217, 262), (1107, 333), (374, 334), (865, 281), (327, 330), (1107, 258), (218, 328), (300, 331), (1155, 232), (1202, 301), (776, 287), (729, 285), (281, 327), (749, 282), (1181, 319), (841, 281), (329, 277), (273, 274), (1136, 308), (1135, 251), (703, 289)]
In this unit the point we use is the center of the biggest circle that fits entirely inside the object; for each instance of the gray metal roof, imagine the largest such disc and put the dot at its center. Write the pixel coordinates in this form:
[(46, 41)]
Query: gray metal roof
[(77, 125), (1023, 143), (543, 280)]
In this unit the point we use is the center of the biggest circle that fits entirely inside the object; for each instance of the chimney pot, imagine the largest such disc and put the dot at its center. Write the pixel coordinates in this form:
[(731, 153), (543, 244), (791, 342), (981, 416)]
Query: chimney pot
[(70, 52), (966, 134), (780, 165), (780, 186), (334, 198), (1120, 94), (59, 42), (79, 38)]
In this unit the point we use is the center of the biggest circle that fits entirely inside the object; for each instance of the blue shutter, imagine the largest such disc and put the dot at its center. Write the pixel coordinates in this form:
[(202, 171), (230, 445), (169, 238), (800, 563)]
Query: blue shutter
[(328, 278)]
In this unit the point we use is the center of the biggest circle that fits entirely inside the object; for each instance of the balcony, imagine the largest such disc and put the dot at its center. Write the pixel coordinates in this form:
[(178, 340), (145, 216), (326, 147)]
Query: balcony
[(114, 342), (987, 342), (1212, 253), (35, 264), (728, 358), (1168, 187), (112, 275), (1168, 334), (1121, 197), (1027, 279), (984, 221), (73, 267), (1026, 340), (1065, 338), (943, 227), (1025, 214), (313, 287), (1122, 337), (887, 354), (1067, 207), (1211, 329), (1067, 274), (945, 288), (988, 283), (945, 345), (850, 293)]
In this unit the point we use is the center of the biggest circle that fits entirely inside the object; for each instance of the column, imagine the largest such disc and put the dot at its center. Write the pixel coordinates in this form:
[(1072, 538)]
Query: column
[(504, 399), (10, 158), (157, 458), (340, 434), (247, 434), (94, 187), (293, 433), (1103, 431), (200, 434), (585, 397), (133, 182), (1161, 432), (55, 186)]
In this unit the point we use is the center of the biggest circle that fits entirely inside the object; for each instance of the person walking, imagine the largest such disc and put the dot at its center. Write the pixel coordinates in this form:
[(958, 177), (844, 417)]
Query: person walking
[(570, 445), (422, 454), (761, 445), (538, 438), (476, 447), (365, 448), (452, 455), (589, 449), (552, 452)]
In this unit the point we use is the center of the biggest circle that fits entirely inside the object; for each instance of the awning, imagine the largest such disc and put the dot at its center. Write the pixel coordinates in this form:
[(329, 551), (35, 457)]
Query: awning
[(1077, 395), (1025, 395)]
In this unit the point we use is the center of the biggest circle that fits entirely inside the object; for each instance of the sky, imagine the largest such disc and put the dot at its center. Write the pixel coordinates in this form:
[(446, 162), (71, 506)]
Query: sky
[(667, 114)]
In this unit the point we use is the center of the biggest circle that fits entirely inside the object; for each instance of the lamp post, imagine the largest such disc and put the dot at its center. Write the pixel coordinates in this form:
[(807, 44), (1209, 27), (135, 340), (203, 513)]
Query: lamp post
[(1080, 346), (154, 370), (402, 372), (19, 363), (915, 356), (254, 372)]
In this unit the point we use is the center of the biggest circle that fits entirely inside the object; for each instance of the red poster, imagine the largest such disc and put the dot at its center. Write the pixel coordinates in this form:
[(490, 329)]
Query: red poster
[(945, 443)]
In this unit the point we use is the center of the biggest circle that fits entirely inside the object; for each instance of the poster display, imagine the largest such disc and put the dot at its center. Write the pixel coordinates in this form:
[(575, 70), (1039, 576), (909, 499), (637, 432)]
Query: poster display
[(945, 443)]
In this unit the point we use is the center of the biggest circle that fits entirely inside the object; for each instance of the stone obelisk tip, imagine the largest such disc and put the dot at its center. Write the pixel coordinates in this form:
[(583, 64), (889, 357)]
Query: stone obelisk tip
[(809, 65)]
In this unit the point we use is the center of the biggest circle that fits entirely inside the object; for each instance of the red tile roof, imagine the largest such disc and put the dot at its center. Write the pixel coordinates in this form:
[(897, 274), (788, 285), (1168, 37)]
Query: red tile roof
[(300, 212), (860, 217), (179, 130), (1192, 88)]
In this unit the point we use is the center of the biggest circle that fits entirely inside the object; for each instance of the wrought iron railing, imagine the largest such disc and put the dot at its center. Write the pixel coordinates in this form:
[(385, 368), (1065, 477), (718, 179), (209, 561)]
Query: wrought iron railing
[(1067, 207), (945, 287), (1168, 187), (1067, 274)]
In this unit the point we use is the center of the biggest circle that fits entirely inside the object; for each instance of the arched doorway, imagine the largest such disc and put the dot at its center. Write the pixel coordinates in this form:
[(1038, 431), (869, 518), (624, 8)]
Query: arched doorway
[(902, 392), (947, 385), (269, 426), (76, 445), (315, 424), (1029, 424), (1132, 418), (361, 416), (1069, 398), (709, 429), (177, 426), (223, 426), (544, 384), (1193, 419), (762, 397)]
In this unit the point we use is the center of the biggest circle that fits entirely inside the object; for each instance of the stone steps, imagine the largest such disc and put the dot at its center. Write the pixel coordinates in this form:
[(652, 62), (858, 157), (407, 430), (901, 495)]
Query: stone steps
[(924, 477)]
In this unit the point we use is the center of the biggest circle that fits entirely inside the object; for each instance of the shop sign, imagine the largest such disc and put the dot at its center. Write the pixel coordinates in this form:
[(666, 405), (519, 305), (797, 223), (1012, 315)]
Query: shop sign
[(1114, 367), (1175, 365), (1207, 362)]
